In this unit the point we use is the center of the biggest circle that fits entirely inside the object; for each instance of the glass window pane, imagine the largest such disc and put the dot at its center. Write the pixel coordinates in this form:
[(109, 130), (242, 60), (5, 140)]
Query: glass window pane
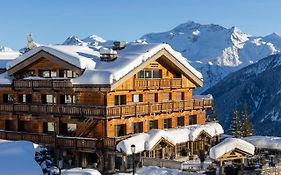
[(50, 126), (136, 98), (148, 74), (141, 74), (53, 73), (157, 73)]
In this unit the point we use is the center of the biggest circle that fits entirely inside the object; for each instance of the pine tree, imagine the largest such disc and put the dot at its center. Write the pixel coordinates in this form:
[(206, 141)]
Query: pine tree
[(235, 125), (246, 126)]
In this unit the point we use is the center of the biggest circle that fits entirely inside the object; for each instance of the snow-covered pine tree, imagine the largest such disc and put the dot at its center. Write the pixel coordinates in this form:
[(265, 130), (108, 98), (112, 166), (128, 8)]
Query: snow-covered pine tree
[(235, 125), (246, 126)]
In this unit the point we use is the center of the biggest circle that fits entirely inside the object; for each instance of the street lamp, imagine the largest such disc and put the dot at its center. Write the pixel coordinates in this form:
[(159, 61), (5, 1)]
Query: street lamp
[(133, 149)]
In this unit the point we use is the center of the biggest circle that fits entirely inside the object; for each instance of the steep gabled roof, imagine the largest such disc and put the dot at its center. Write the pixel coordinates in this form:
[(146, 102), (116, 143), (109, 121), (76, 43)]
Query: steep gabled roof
[(133, 56)]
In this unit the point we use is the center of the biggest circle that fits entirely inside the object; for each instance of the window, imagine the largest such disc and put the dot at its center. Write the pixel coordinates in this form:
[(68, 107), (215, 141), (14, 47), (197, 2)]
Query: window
[(153, 124), (138, 127), (150, 73), (119, 99), (166, 96), (120, 130), (167, 123), (69, 74), (137, 98), (48, 73), (71, 128), (49, 127), (192, 119), (48, 99), (27, 73), (8, 98), (180, 95), (67, 99), (180, 121), (153, 97), (25, 98)]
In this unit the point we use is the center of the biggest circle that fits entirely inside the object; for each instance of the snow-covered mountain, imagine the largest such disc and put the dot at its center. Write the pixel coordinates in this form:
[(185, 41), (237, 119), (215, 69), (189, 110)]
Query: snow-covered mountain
[(92, 40), (6, 54), (5, 49), (259, 86), (213, 49)]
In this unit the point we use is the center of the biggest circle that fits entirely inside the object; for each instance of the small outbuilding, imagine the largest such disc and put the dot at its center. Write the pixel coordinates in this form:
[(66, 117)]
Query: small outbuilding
[(231, 149)]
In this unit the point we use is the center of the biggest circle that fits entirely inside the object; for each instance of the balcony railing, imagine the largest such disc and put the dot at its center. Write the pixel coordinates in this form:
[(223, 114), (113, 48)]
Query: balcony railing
[(67, 142), (52, 84), (100, 112), (153, 108), (157, 83)]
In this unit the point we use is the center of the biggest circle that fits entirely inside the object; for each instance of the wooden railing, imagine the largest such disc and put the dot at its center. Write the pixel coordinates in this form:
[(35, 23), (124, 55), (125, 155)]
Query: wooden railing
[(53, 84), (157, 83), (67, 142), (152, 108), (101, 112)]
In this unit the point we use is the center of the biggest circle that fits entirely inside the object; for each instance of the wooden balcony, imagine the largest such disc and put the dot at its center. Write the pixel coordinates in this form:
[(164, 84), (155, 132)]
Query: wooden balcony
[(50, 84), (67, 142), (79, 111), (154, 108), (101, 112), (157, 83)]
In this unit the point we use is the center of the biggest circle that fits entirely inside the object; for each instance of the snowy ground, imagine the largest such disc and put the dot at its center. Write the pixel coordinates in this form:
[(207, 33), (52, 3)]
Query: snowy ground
[(80, 171), (153, 170), (17, 158)]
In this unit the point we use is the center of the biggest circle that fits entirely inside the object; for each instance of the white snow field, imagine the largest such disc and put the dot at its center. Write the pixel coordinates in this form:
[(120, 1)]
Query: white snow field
[(17, 158), (265, 142), (154, 170), (80, 171)]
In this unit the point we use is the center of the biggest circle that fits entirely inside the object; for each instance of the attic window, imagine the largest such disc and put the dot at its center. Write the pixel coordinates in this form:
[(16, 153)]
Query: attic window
[(108, 54)]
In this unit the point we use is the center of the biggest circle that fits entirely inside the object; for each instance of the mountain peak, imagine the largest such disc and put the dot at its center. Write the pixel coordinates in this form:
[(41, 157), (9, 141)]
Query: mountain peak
[(73, 40), (94, 38), (5, 49)]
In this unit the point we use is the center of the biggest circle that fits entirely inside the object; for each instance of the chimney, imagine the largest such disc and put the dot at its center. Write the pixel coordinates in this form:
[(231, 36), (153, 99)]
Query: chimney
[(118, 45), (107, 54)]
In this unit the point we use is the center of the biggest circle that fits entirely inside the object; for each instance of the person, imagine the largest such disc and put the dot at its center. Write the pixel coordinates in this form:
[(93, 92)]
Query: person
[(202, 158)]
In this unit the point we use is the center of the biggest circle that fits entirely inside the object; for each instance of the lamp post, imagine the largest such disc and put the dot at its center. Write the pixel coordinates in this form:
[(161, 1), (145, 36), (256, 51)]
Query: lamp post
[(133, 149)]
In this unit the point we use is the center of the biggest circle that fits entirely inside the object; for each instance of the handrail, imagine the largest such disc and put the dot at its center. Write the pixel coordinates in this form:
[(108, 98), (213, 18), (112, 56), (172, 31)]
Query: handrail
[(102, 112), (42, 84), (51, 139), (156, 83)]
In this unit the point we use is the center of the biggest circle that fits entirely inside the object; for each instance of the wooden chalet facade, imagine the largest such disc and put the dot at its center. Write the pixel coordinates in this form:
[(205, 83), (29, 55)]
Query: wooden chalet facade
[(84, 121)]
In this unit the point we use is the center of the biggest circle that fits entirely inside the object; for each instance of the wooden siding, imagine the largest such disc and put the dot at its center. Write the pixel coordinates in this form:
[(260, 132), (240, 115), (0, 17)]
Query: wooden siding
[(111, 125)]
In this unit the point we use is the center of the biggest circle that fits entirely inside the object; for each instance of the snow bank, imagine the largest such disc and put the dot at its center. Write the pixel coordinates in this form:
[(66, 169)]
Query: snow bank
[(17, 158), (80, 171), (100, 72), (265, 142), (146, 141), (230, 144), (154, 170)]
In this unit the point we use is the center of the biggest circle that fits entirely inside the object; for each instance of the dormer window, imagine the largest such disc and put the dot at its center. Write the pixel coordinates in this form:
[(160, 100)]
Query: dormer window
[(150, 73), (48, 73)]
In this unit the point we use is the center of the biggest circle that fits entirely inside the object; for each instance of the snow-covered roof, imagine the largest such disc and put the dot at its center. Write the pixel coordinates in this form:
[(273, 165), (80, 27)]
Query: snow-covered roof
[(230, 144), (146, 141), (209, 96), (265, 142), (100, 72)]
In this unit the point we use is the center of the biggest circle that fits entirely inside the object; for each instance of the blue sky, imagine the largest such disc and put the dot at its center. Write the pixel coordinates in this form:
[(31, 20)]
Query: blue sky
[(52, 21)]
